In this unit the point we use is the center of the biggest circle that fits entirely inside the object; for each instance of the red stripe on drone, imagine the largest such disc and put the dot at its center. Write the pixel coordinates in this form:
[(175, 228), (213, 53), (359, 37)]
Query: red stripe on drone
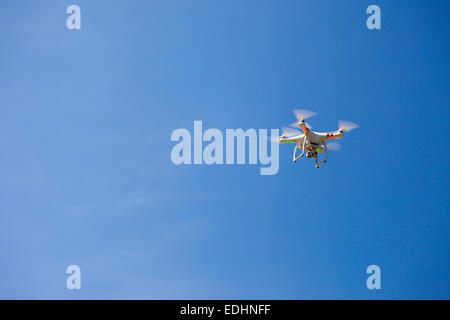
[(331, 136)]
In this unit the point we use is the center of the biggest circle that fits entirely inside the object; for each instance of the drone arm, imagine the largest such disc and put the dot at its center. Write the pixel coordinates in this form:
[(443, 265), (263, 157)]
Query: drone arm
[(334, 135), (302, 125)]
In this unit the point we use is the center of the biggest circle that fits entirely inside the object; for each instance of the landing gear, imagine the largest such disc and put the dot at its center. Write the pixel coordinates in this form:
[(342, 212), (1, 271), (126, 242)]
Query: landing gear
[(311, 152), (326, 155), (318, 165), (303, 151)]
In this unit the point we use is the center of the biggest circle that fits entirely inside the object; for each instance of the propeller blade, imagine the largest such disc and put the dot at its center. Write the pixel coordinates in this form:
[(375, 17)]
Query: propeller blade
[(335, 146), (301, 114), (345, 126), (289, 132), (286, 132)]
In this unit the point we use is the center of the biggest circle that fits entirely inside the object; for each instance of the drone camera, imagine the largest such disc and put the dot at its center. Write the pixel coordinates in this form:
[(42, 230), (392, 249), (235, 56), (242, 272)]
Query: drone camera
[(310, 154)]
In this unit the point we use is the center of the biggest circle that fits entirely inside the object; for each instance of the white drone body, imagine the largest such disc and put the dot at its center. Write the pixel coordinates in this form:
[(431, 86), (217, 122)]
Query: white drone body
[(312, 142)]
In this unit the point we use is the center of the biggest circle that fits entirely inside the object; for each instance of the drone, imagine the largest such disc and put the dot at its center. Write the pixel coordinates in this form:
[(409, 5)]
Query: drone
[(310, 141)]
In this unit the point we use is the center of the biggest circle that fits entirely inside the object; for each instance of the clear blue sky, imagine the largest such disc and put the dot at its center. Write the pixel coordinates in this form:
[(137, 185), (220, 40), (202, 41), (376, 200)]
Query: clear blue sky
[(85, 172)]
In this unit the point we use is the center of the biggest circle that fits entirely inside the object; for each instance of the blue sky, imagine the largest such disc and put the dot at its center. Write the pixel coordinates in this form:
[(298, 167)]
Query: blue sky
[(85, 171)]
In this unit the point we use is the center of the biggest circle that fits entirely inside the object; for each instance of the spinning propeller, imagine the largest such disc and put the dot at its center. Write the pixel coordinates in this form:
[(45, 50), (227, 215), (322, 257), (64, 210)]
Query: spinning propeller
[(286, 132), (301, 116), (335, 146), (290, 132), (345, 126)]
